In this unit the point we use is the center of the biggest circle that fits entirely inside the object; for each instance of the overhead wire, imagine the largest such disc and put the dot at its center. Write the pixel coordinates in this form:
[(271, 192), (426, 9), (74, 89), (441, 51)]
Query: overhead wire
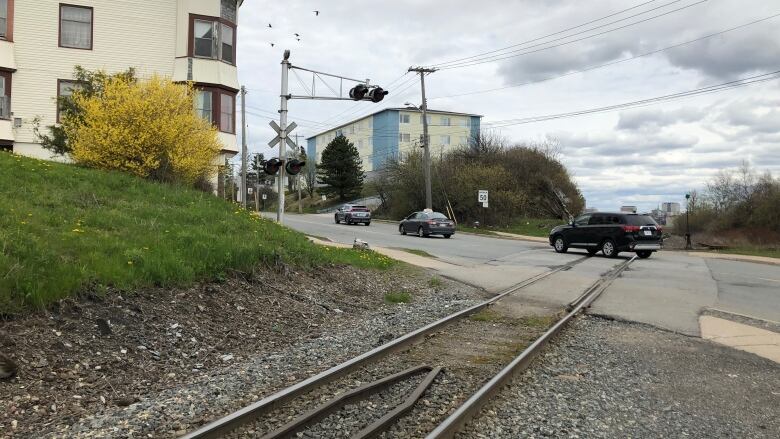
[(524, 51), (598, 66)]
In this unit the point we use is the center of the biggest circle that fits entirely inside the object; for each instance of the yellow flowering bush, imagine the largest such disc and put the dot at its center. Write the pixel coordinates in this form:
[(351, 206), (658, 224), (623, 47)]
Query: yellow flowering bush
[(147, 128)]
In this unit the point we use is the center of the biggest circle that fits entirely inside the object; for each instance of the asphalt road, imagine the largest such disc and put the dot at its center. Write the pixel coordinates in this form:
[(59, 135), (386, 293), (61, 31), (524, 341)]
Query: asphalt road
[(668, 290)]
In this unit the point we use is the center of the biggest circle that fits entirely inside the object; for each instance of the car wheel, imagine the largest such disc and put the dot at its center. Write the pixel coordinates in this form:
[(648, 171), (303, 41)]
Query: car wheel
[(401, 229), (447, 236), (644, 254), (337, 220), (421, 232), (368, 223), (592, 251), (559, 244), (608, 248)]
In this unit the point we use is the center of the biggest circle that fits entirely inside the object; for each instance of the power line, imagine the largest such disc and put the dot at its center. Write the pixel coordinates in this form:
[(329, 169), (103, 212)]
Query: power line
[(519, 52), (695, 92), (610, 63), (544, 36)]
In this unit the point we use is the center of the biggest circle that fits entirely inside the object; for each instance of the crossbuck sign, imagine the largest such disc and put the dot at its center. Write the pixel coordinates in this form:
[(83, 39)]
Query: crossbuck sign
[(283, 135)]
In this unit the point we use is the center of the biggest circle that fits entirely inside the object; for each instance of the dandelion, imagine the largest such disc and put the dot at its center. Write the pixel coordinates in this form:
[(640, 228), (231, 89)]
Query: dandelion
[(129, 262)]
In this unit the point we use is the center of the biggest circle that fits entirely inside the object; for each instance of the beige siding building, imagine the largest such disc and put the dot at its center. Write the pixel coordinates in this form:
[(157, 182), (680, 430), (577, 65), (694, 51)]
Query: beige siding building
[(41, 41)]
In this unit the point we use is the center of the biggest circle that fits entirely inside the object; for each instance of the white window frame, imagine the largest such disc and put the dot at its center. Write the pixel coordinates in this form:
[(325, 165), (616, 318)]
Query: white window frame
[(404, 137), (91, 24), (444, 139), (205, 108), (445, 121), (404, 118), (217, 41)]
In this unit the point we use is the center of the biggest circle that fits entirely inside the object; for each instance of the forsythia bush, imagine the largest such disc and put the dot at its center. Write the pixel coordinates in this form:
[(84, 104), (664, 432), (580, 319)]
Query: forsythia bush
[(148, 128)]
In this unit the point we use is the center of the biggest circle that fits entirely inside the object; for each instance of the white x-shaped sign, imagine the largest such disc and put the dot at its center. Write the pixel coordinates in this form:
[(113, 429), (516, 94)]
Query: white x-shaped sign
[(282, 134)]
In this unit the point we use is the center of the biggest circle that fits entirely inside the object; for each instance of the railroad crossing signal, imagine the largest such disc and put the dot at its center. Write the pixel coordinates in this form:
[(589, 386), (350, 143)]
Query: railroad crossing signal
[(282, 135)]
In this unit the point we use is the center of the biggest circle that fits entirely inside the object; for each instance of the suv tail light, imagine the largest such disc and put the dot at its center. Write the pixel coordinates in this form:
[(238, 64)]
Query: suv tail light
[(629, 229)]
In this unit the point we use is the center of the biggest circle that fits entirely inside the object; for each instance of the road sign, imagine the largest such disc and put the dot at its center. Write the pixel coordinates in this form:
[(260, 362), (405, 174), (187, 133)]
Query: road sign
[(282, 134), (324, 198), (265, 196), (482, 196), (250, 190)]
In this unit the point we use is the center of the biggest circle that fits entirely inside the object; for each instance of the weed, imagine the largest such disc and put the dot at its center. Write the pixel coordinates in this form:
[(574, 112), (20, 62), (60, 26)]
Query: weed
[(398, 297), (435, 282)]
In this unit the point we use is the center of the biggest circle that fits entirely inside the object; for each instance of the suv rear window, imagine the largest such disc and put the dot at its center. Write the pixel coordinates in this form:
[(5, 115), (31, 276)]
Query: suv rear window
[(640, 220), (359, 208)]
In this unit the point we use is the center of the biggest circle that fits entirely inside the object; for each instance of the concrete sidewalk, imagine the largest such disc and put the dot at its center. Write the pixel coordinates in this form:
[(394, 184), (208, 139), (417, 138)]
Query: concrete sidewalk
[(740, 336), (736, 257)]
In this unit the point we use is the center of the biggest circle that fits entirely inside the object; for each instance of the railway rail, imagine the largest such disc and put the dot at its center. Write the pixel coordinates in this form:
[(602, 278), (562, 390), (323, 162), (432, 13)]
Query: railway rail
[(451, 424)]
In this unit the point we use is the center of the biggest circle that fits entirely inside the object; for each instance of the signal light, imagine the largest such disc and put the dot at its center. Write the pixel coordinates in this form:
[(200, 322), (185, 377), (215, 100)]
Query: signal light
[(376, 94), (294, 166), (358, 92), (271, 167)]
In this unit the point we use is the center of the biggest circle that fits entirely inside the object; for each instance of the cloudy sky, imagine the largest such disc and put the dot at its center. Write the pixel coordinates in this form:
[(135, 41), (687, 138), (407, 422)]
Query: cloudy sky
[(639, 156)]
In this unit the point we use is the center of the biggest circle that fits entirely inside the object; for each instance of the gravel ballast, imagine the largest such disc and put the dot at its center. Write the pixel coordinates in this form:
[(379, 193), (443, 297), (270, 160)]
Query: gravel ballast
[(347, 328), (605, 379)]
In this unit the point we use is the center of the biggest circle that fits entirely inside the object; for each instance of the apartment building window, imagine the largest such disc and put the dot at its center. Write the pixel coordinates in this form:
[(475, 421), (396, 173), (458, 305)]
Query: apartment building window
[(445, 140), (212, 38), (204, 104), (427, 118), (5, 95), (403, 137), (3, 18), (404, 118), (76, 27), (228, 10), (464, 140), (218, 106), (65, 89), (227, 122), (445, 121)]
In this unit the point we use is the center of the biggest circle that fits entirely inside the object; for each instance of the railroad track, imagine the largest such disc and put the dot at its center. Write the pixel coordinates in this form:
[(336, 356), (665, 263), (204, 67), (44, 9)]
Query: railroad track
[(401, 351)]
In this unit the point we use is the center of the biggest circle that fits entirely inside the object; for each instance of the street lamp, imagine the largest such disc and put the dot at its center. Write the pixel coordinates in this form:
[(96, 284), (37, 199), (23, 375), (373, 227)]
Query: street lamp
[(427, 154)]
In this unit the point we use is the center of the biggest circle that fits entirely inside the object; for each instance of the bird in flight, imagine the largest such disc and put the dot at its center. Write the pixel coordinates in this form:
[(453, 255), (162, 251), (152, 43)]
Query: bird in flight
[(269, 25), (272, 44), (297, 35), (298, 39), (317, 13)]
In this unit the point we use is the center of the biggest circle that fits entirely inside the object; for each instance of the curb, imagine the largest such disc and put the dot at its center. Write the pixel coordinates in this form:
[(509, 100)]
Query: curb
[(736, 257)]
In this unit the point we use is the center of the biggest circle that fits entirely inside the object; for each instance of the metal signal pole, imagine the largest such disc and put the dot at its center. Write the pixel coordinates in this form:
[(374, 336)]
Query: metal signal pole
[(283, 126), (243, 146), (426, 143)]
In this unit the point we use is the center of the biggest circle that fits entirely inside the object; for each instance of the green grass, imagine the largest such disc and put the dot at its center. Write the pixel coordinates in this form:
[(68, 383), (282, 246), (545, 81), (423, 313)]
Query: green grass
[(754, 251), (398, 297), (530, 227), (468, 229), (66, 229), (435, 282), (486, 315)]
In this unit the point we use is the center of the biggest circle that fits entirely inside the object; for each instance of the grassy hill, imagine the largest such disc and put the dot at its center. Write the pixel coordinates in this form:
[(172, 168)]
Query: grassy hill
[(66, 229)]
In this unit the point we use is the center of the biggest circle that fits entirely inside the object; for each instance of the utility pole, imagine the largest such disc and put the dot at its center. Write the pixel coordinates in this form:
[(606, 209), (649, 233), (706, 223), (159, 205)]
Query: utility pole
[(243, 147), (426, 143), (298, 182), (283, 128)]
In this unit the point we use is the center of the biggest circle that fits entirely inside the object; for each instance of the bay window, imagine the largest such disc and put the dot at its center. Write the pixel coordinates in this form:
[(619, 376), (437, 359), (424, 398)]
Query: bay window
[(227, 108), (5, 95), (213, 38), (217, 106), (76, 27)]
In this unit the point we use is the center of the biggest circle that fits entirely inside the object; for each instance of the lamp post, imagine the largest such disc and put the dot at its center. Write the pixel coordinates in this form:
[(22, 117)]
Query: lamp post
[(688, 245), (427, 153)]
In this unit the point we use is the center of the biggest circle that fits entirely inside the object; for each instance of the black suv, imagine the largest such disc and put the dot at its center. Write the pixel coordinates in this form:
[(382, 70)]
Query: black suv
[(609, 233)]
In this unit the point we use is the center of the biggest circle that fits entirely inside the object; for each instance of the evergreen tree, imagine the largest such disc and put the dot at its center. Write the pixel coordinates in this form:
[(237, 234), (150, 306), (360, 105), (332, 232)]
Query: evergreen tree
[(340, 170)]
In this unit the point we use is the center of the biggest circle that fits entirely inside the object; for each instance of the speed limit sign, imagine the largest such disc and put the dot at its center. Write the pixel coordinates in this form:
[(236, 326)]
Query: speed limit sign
[(482, 196)]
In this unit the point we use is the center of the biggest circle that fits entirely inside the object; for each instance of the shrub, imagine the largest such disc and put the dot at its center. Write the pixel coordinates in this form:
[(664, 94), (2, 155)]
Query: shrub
[(147, 128)]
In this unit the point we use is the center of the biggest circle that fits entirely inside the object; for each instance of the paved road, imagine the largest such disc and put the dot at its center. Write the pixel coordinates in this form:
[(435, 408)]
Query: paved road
[(669, 290)]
